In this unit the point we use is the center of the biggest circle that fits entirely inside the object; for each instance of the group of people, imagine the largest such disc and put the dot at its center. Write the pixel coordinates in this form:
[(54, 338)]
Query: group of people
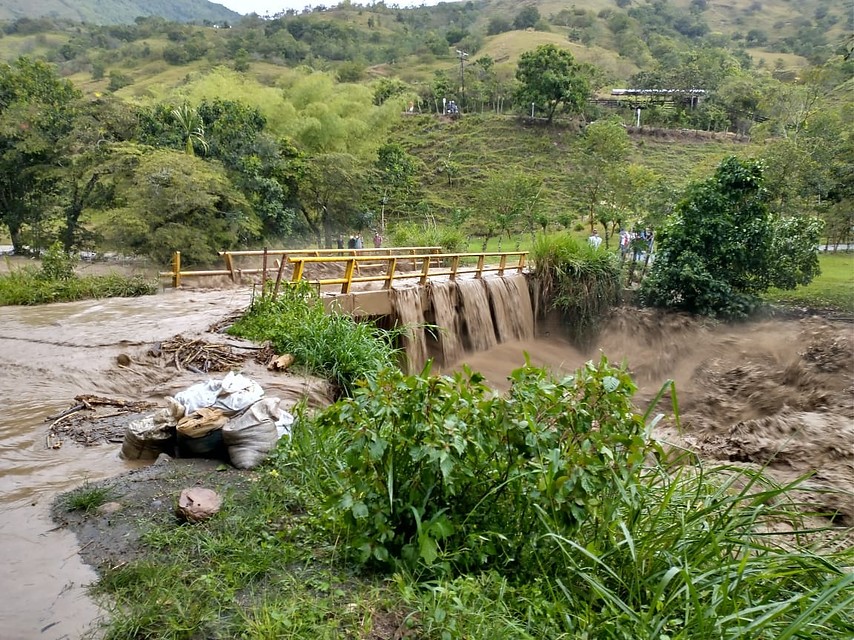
[(355, 241), (638, 242)]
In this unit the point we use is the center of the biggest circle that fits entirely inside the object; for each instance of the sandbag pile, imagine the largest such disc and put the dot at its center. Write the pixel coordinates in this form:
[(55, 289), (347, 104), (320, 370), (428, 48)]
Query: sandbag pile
[(228, 418)]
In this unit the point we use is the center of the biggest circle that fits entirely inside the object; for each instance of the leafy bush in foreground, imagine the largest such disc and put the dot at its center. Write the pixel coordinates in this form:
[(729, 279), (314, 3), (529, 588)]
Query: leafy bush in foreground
[(331, 345), (548, 513), (442, 473)]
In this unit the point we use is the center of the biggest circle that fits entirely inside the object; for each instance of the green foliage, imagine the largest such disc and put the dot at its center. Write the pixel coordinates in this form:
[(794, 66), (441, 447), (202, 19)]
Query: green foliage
[(580, 282), (412, 234), (330, 345), (506, 203), (552, 79), (719, 250), (30, 287), (57, 264), (86, 498), (527, 18), (36, 111), (685, 562), (833, 288), (440, 473), (178, 202)]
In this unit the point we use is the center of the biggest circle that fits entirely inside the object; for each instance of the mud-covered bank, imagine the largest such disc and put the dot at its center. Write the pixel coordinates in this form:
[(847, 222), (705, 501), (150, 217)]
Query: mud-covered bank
[(109, 535), (772, 393)]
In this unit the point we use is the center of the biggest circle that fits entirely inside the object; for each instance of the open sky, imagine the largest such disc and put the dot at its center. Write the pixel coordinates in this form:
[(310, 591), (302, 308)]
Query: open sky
[(264, 7)]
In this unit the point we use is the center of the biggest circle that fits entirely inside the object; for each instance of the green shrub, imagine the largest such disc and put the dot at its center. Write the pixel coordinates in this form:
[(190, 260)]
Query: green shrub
[(581, 282), (331, 345), (410, 234), (31, 286), (57, 264), (441, 472)]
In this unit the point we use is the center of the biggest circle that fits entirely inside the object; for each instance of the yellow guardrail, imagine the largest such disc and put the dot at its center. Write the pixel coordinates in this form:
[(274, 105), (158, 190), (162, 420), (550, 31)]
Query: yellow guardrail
[(275, 260), (423, 262), (432, 265)]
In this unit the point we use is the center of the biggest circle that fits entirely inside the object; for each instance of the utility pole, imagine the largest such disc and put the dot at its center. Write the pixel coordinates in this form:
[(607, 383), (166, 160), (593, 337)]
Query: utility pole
[(462, 55)]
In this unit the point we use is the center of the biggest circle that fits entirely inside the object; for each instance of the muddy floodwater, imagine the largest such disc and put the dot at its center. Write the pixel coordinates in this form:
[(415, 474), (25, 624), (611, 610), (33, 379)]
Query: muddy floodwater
[(773, 390), (49, 354)]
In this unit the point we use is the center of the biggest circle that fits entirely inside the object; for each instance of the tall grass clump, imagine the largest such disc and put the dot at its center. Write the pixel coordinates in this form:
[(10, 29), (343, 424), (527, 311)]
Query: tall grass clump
[(580, 282), (55, 281), (411, 234), (331, 345), (550, 512)]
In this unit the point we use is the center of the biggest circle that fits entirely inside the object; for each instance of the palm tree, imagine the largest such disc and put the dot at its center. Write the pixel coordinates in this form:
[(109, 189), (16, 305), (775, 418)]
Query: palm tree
[(192, 127)]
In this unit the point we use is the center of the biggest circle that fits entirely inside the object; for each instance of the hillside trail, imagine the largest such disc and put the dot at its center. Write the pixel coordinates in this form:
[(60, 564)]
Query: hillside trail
[(775, 389)]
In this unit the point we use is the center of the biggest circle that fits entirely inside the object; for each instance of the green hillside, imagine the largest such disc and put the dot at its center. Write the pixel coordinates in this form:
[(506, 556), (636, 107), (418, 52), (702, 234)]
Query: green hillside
[(297, 121), (117, 11)]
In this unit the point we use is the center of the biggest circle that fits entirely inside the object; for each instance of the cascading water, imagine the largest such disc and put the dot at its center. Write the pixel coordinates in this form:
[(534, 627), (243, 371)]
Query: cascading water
[(511, 307), (443, 296), (477, 329), (409, 313)]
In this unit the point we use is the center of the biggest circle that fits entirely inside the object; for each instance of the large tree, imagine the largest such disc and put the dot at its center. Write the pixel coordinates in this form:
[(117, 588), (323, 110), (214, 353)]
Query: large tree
[(172, 201), (550, 78), (723, 247), (37, 110), (603, 151)]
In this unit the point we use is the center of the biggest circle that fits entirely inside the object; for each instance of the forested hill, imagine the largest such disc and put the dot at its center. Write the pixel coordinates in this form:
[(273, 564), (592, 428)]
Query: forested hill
[(117, 11)]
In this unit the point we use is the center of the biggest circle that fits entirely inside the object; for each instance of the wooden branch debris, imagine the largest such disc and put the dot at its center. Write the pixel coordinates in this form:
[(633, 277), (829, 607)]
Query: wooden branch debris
[(199, 356), (86, 422)]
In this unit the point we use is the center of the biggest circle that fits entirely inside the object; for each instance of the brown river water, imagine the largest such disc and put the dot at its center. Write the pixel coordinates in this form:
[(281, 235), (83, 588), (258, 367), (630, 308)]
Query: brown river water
[(780, 389), (48, 355)]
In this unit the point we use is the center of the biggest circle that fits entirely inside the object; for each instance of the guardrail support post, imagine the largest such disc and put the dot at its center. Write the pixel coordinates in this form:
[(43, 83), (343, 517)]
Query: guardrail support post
[(480, 260), (425, 269), (176, 269), (392, 266), (348, 276), (229, 265), (522, 262), (455, 264), (264, 272), (298, 267)]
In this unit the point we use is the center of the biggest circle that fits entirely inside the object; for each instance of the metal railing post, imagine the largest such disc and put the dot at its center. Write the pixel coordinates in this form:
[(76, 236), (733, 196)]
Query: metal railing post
[(348, 276), (176, 269), (392, 266), (480, 260), (298, 267), (425, 269)]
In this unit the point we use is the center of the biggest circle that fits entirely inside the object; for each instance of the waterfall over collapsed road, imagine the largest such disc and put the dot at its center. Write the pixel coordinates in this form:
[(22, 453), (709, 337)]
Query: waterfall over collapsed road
[(776, 391)]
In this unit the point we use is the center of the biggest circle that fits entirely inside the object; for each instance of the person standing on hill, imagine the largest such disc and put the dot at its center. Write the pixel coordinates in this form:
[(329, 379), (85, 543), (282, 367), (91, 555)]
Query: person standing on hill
[(594, 240)]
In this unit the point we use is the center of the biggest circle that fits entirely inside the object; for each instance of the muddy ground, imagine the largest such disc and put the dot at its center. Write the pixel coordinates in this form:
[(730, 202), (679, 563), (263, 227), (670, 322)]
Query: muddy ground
[(773, 394)]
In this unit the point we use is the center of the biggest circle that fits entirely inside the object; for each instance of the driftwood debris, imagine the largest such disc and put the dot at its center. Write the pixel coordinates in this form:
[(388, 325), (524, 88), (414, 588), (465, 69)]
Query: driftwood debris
[(199, 356), (92, 420)]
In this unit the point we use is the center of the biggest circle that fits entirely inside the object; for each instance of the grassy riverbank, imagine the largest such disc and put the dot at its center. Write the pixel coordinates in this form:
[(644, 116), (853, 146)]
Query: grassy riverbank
[(55, 280), (833, 289), (355, 529)]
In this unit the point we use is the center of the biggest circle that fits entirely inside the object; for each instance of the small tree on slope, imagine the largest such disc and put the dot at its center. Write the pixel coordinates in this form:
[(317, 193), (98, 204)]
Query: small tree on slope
[(722, 247)]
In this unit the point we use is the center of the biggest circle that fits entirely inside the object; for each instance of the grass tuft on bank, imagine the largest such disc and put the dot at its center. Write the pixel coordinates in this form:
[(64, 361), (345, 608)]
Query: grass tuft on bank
[(429, 507), (55, 281), (580, 282), (330, 345)]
